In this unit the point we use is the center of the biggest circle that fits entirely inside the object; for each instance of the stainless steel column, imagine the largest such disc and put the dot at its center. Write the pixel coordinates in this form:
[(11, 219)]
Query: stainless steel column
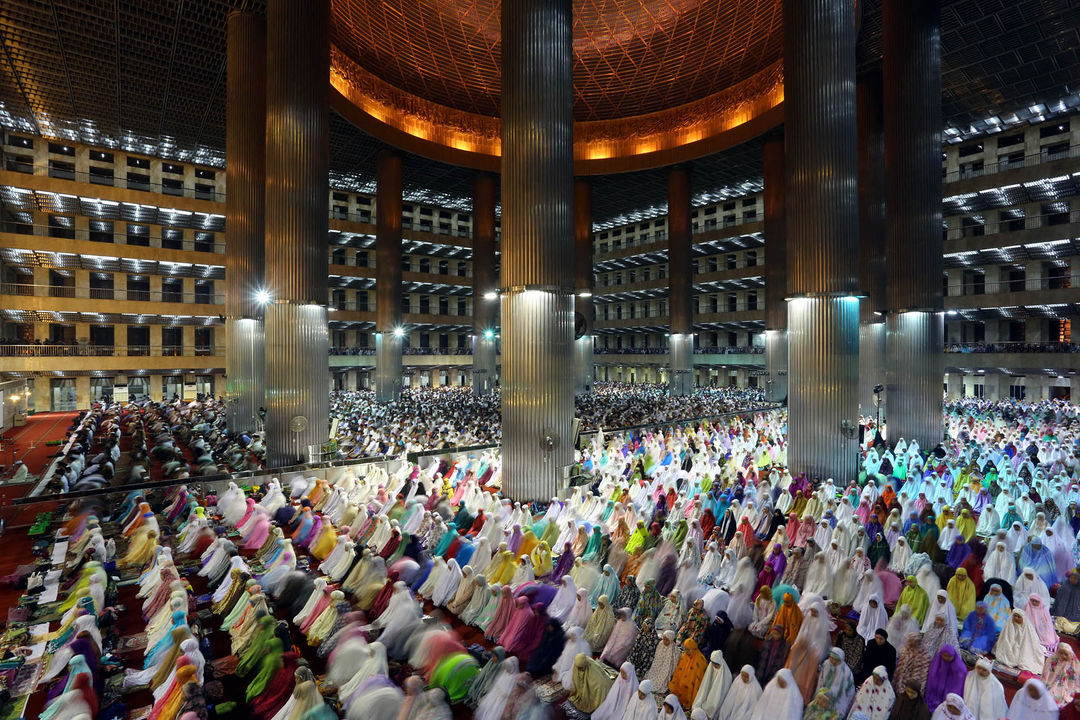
[(585, 312), (537, 240), (871, 242), (297, 193), (822, 230), (911, 69), (680, 284), (245, 208), (485, 287), (389, 333), (776, 341)]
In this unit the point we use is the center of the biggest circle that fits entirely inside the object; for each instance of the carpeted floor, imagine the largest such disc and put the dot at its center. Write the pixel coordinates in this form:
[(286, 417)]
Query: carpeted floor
[(28, 443)]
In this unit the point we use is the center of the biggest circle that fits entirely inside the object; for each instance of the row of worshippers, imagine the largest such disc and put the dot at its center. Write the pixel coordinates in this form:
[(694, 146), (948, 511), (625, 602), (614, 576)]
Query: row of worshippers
[(581, 508), (155, 433), (443, 417)]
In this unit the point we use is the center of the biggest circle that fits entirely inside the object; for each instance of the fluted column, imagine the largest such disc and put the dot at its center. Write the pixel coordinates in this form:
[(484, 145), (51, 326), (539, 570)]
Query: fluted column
[(485, 286), (537, 240), (245, 208), (680, 284), (297, 191), (911, 68), (871, 241), (822, 231), (776, 341), (389, 333), (584, 311)]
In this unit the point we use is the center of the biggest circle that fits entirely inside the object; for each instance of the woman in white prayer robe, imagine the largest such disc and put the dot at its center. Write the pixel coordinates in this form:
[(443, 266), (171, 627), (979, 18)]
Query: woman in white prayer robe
[(780, 700), (983, 693), (1033, 702)]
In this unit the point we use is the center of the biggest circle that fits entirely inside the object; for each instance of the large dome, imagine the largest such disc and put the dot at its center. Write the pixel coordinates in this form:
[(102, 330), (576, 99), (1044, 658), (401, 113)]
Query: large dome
[(631, 57), (649, 75)]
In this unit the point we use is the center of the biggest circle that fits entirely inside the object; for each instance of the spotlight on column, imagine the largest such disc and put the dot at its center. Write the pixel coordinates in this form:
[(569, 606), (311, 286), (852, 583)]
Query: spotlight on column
[(488, 334), (491, 295), (584, 294), (399, 332), (262, 297)]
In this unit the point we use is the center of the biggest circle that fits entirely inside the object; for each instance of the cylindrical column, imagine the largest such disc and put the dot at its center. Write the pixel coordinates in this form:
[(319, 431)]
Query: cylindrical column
[(680, 284), (871, 140), (776, 346), (822, 231), (537, 239), (485, 287), (245, 172), (585, 313), (389, 333), (911, 68), (297, 189)]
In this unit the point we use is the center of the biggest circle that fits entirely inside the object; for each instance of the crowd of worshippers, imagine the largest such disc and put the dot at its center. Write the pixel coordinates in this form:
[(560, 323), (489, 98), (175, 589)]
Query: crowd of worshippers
[(434, 418), (695, 578), (152, 435)]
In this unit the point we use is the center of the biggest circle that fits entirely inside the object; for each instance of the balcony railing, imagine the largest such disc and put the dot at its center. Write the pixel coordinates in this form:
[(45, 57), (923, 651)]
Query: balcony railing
[(991, 286), (1004, 226), (10, 348), (154, 239), (1012, 347), (134, 295), (198, 190), (458, 352), (1003, 163), (706, 350)]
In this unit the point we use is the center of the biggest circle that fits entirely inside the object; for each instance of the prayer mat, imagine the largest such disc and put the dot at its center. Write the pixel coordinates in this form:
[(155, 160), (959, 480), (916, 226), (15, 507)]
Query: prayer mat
[(131, 643), (225, 666), (140, 713), (203, 599), (572, 713), (551, 691)]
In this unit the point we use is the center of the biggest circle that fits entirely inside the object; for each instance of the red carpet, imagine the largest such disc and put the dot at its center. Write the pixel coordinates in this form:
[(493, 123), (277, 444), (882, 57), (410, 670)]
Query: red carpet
[(27, 443)]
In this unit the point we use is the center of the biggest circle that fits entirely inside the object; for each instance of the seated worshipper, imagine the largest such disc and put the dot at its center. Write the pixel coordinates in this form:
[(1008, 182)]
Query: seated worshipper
[(879, 651), (1062, 674), (835, 677), (773, 655), (1018, 645), (983, 693), (1033, 702), (875, 696), (780, 700), (1067, 601), (947, 675), (592, 681), (979, 632), (952, 709)]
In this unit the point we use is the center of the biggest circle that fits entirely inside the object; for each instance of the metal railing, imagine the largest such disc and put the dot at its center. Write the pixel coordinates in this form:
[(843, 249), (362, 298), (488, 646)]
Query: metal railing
[(11, 349), (115, 237), (1012, 347), (1004, 163), (120, 177), (990, 286), (1003, 226), (339, 351), (69, 291)]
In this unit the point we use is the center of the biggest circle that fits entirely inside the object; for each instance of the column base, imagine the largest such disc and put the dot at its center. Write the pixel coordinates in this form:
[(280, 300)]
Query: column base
[(388, 367), (537, 392), (871, 366), (297, 381), (583, 365), (915, 377), (823, 387), (245, 374), (484, 372), (776, 365), (681, 372)]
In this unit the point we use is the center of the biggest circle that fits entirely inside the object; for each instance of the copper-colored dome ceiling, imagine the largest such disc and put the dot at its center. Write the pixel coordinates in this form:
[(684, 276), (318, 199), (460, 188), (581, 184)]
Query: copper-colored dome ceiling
[(631, 57)]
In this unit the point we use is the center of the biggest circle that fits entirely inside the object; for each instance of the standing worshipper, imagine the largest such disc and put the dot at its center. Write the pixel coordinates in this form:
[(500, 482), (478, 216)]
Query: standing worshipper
[(835, 676), (879, 651), (810, 647)]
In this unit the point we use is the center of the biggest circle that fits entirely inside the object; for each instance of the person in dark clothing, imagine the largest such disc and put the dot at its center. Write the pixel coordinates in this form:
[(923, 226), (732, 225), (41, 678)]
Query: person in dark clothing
[(774, 653), (878, 652), (910, 704)]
